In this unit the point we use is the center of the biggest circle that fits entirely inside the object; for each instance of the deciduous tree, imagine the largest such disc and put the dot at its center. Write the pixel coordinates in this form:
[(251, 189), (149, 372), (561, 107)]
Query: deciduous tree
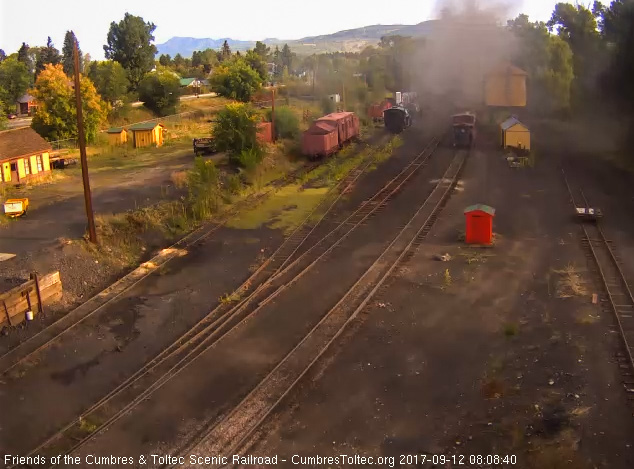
[(56, 114), (257, 63), (130, 44), (15, 79), (110, 80), (159, 91), (236, 80)]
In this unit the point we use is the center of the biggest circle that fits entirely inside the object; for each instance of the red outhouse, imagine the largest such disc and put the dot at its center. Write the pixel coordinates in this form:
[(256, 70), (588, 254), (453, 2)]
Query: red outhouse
[(479, 219)]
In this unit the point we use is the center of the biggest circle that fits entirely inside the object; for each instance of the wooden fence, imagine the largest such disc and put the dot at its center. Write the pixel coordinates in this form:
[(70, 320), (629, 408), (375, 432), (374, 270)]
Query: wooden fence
[(30, 296)]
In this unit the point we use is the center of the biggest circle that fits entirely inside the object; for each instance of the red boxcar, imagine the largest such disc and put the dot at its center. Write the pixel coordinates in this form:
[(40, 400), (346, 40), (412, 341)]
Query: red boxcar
[(329, 133), (376, 110)]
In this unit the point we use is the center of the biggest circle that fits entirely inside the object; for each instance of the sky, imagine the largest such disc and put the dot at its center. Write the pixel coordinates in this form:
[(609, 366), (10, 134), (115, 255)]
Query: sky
[(33, 21)]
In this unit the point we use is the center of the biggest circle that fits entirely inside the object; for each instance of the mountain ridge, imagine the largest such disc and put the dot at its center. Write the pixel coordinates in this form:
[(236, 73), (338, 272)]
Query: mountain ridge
[(348, 40)]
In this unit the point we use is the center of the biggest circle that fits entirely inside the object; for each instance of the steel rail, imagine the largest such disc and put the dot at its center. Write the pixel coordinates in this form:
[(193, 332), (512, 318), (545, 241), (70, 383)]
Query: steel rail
[(340, 189), (602, 271), (25, 350), (176, 347), (439, 198)]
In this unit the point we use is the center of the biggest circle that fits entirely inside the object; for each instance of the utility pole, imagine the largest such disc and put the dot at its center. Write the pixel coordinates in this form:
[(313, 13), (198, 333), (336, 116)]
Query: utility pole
[(343, 84), (92, 233), (273, 114)]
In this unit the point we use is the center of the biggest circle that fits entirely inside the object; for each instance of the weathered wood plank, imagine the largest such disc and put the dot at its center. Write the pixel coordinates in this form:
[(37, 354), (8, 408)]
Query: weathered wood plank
[(15, 304)]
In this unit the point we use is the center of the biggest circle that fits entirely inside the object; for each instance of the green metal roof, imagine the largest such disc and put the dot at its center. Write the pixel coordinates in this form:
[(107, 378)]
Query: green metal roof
[(115, 130), (481, 207), (186, 81), (144, 126)]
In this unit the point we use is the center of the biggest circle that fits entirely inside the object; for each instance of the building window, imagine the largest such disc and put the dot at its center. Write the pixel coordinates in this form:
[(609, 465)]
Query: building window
[(39, 163), (27, 166)]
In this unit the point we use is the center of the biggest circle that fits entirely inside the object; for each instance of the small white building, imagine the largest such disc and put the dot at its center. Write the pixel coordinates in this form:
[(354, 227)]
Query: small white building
[(335, 98)]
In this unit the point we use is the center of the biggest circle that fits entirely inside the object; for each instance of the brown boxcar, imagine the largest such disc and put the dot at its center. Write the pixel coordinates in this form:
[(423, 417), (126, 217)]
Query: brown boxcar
[(329, 133), (376, 110)]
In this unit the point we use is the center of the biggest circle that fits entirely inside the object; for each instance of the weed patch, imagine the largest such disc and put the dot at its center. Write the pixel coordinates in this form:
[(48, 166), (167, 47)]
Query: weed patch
[(569, 283)]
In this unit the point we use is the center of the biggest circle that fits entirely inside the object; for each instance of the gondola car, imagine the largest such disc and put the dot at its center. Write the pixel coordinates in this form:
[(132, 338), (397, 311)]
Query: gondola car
[(397, 119), (330, 133), (464, 131)]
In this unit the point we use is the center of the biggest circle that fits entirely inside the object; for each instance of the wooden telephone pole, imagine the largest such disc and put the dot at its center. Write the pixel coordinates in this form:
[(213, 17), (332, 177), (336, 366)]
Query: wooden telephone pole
[(92, 233), (273, 114)]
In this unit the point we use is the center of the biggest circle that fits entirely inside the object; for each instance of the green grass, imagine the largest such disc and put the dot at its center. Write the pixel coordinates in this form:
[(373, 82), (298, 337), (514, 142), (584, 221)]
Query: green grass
[(284, 210)]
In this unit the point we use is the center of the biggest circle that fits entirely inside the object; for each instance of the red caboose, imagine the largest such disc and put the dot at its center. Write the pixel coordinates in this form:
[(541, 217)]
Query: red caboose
[(329, 133)]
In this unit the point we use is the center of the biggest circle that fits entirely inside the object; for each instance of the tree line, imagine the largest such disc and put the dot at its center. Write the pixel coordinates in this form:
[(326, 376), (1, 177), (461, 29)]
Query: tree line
[(580, 61)]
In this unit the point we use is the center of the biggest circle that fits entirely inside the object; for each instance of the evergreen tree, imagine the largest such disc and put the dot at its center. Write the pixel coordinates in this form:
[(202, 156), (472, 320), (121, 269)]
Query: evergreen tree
[(68, 61), (225, 53), (47, 55), (24, 56)]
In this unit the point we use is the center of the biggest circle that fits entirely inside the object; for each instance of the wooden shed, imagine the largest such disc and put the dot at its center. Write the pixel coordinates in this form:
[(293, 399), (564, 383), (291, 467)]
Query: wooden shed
[(505, 86), (146, 134), (515, 134), (479, 224), (117, 136)]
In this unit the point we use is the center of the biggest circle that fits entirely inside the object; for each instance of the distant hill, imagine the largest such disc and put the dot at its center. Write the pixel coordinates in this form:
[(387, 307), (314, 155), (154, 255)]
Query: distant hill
[(185, 46), (350, 40)]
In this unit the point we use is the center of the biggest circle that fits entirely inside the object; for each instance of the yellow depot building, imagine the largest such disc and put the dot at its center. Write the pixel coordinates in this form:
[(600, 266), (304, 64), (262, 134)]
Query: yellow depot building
[(146, 134), (24, 155), (515, 134), (505, 86)]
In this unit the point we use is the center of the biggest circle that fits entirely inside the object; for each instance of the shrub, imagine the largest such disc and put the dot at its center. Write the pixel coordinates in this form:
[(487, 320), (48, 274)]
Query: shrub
[(327, 106), (248, 159), (286, 123), (204, 190), (236, 129)]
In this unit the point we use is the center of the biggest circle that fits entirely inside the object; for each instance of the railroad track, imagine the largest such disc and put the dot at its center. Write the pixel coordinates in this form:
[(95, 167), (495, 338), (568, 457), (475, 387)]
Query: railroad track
[(43, 339), (232, 432), (25, 350), (618, 298), (273, 277)]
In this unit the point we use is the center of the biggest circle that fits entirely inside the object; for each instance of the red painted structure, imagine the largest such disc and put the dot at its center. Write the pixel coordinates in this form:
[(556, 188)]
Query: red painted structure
[(479, 224), (329, 133), (265, 132), (376, 110)]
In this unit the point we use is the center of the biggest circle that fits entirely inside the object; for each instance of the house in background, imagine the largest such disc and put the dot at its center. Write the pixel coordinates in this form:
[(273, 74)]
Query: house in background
[(24, 155), (146, 134), (191, 85), (25, 105)]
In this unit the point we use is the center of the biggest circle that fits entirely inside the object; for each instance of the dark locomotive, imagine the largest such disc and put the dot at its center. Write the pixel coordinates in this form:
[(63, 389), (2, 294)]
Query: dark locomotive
[(397, 119), (463, 129)]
